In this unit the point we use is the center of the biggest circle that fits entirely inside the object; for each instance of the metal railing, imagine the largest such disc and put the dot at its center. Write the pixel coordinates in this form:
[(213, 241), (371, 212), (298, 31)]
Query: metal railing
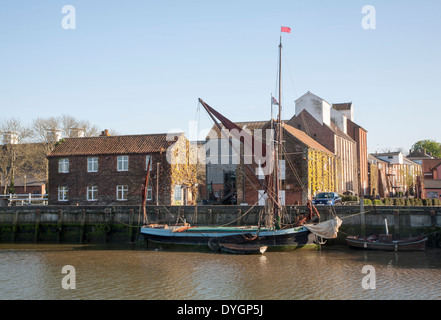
[(26, 199)]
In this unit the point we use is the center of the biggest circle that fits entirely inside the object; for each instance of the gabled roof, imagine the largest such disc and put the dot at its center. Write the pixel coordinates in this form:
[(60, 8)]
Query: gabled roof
[(338, 131), (30, 181), (129, 144), (333, 127), (313, 94), (410, 162), (432, 184), (374, 160), (430, 164), (406, 161), (305, 139)]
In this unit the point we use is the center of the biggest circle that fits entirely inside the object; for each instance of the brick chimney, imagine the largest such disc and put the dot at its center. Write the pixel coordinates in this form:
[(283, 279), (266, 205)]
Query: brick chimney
[(105, 133)]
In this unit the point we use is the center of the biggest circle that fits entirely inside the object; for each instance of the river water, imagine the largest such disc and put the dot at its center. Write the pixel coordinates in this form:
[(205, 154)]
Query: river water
[(35, 271)]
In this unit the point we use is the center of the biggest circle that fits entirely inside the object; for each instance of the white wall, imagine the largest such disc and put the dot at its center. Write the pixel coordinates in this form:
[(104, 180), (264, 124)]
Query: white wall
[(348, 113), (393, 159), (340, 120), (316, 106)]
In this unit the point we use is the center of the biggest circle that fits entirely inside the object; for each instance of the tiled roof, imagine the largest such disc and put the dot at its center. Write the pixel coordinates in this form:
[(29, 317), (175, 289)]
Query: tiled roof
[(338, 132), (304, 114), (305, 139), (432, 184), (374, 160), (129, 144), (430, 164), (30, 181)]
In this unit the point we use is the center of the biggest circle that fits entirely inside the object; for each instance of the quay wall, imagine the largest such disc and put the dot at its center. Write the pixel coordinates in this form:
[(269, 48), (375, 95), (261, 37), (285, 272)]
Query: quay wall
[(102, 224)]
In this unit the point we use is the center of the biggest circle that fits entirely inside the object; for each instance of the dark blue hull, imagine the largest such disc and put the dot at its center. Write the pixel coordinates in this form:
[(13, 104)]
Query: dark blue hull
[(275, 240)]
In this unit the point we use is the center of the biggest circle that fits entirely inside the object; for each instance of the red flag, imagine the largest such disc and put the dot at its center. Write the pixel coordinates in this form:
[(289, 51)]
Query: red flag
[(285, 29)]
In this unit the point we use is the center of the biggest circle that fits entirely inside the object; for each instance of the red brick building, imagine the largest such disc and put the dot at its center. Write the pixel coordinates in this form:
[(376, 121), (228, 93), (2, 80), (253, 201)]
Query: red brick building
[(29, 184), (111, 170), (432, 178), (317, 126), (359, 135), (306, 167), (392, 174), (328, 126)]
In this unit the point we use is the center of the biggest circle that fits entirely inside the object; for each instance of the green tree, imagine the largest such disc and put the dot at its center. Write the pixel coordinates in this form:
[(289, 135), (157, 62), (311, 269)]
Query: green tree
[(431, 146)]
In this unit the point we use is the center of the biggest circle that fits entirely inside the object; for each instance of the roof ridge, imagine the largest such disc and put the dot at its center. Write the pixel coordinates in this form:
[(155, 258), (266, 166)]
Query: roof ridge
[(128, 135), (303, 135), (122, 144)]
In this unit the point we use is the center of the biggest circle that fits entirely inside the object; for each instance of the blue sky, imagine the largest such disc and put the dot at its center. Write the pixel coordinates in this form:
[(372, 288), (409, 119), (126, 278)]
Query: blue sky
[(140, 66)]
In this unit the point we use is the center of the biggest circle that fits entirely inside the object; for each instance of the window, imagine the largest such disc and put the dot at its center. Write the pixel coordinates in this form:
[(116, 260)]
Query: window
[(282, 197), (432, 194), (261, 196), (259, 171), (282, 169), (123, 163), (178, 193), (92, 193), (62, 193), (149, 193), (147, 159), (92, 164), (63, 165), (121, 193)]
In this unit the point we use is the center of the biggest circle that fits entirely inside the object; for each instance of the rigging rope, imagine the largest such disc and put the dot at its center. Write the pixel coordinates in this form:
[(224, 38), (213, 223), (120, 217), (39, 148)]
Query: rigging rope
[(297, 176), (246, 212)]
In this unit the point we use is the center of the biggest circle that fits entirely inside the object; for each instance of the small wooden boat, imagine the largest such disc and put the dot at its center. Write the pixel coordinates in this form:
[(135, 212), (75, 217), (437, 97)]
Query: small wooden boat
[(242, 248), (385, 242)]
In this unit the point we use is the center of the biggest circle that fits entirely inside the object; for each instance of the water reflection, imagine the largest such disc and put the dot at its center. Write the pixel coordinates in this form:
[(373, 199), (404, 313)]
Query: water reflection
[(34, 272)]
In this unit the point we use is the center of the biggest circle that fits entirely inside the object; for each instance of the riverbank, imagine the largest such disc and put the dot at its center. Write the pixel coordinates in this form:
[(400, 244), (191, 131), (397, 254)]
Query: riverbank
[(113, 224)]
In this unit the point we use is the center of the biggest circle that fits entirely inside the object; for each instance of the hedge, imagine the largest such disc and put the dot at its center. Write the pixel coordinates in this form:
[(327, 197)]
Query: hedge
[(410, 202)]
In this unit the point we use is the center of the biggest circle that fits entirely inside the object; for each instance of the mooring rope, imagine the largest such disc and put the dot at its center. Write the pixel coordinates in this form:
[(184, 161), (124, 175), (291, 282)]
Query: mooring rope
[(246, 212), (355, 214)]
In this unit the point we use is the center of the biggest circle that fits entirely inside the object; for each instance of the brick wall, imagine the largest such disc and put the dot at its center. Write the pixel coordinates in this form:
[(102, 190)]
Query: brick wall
[(344, 149), (321, 133), (360, 136), (296, 157), (107, 178)]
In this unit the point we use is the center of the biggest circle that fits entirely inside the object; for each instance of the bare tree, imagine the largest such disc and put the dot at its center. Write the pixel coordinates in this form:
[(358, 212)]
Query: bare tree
[(15, 154), (44, 127), (25, 148)]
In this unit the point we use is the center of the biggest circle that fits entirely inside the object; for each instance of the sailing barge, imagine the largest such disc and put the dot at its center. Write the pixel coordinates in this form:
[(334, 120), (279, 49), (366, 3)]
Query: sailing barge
[(223, 238), (271, 233)]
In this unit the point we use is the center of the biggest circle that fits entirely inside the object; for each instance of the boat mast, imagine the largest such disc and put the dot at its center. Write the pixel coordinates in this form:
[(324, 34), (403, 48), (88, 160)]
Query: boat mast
[(277, 182), (280, 87)]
